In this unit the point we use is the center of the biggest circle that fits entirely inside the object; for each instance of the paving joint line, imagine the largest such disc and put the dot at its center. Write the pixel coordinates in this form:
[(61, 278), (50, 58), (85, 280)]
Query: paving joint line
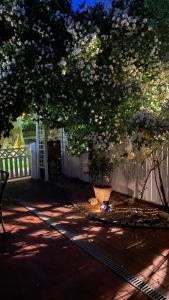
[(97, 254)]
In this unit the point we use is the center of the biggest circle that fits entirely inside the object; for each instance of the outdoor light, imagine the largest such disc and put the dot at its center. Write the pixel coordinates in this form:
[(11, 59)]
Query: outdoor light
[(106, 206)]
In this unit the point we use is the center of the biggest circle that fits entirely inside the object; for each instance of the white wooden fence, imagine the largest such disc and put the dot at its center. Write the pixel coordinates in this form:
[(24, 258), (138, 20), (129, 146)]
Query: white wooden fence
[(16, 161), (127, 178)]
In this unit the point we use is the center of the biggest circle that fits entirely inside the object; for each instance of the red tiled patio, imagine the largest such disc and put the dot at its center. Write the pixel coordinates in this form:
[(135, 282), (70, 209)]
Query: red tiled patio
[(37, 262)]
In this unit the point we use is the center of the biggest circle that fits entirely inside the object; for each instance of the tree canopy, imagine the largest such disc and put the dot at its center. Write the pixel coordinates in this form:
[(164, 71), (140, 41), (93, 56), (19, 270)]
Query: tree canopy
[(33, 38), (88, 71), (113, 69)]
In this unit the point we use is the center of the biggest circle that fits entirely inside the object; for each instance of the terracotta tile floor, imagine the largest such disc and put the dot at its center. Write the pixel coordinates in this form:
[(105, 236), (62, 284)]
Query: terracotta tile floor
[(144, 252), (37, 262)]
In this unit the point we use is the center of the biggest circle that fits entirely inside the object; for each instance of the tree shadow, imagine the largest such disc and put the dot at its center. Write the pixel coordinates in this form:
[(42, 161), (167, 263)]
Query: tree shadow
[(38, 262), (138, 250)]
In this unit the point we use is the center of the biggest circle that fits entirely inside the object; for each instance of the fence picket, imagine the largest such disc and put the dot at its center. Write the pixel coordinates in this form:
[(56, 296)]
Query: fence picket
[(6, 164), (1, 164), (25, 167), (16, 166), (11, 173), (21, 166)]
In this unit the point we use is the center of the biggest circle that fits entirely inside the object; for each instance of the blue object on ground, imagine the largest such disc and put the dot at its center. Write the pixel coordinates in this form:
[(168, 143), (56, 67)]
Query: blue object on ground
[(105, 206)]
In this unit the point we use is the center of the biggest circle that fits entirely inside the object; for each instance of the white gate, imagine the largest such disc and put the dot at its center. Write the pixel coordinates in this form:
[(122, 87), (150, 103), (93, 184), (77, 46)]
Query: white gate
[(16, 161)]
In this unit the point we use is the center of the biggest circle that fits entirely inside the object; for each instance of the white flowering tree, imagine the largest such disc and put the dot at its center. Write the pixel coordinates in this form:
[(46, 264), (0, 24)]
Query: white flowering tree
[(32, 41), (87, 71), (113, 68), (157, 12)]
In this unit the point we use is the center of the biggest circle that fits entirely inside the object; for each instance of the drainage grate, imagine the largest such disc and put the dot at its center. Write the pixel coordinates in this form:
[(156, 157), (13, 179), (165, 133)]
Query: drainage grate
[(101, 257)]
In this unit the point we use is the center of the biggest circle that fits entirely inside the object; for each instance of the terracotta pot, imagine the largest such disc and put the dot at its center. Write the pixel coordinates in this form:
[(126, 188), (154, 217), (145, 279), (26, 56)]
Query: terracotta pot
[(102, 193)]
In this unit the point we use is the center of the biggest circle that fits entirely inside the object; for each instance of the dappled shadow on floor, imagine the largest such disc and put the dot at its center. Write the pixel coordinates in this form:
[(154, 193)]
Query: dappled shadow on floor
[(37, 262), (144, 252)]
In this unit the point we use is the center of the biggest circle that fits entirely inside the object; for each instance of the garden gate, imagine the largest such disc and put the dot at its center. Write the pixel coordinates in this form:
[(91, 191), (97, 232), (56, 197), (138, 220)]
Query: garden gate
[(16, 161)]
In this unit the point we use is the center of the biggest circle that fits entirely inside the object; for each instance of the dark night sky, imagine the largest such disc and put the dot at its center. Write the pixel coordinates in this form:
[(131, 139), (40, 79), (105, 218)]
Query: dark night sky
[(89, 2)]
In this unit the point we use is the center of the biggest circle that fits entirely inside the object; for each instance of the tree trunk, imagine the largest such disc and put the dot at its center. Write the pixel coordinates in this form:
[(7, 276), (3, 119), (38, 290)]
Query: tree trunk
[(166, 206), (145, 182)]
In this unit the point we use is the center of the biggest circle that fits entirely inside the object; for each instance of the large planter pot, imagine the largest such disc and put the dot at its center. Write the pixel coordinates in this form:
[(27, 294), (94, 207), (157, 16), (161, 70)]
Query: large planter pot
[(102, 193)]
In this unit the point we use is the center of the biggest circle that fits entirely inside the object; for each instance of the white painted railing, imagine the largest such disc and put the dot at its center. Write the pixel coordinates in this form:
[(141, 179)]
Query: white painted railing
[(16, 161)]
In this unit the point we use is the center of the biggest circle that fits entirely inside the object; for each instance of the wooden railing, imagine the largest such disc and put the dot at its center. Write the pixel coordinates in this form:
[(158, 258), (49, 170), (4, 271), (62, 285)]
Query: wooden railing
[(16, 161)]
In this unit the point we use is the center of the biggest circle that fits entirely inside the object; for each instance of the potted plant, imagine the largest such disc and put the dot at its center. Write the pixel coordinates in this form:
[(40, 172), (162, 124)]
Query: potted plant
[(100, 170)]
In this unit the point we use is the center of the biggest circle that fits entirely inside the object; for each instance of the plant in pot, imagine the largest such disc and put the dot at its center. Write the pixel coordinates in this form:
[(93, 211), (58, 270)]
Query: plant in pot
[(101, 166)]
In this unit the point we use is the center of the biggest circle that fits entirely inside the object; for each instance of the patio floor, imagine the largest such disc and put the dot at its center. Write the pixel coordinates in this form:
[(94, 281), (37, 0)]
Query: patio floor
[(37, 262)]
